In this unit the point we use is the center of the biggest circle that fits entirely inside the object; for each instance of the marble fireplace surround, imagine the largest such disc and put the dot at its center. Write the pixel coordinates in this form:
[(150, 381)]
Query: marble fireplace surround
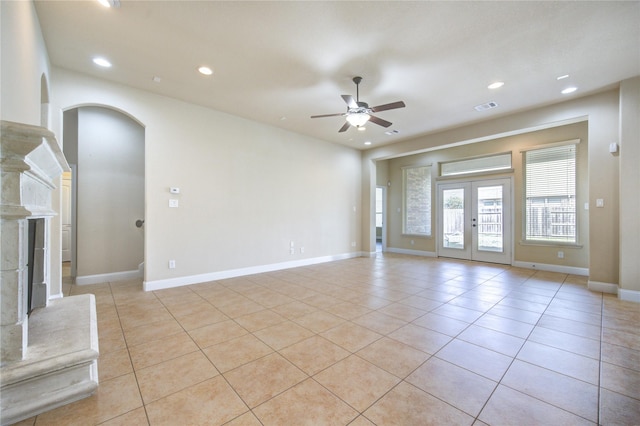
[(47, 358)]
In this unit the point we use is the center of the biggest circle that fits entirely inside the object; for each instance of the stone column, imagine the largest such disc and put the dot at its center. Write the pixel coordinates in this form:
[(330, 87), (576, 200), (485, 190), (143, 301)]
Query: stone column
[(13, 309)]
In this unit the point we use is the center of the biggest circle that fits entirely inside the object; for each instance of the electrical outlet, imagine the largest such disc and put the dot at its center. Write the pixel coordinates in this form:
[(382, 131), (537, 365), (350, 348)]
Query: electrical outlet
[(301, 250), (560, 255), (173, 202), (172, 264)]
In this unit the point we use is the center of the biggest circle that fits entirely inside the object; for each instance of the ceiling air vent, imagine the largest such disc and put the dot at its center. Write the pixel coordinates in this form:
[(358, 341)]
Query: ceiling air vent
[(392, 132), (486, 106)]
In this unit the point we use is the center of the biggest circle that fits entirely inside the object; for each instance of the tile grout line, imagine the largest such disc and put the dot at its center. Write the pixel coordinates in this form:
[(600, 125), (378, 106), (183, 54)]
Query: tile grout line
[(201, 350), (598, 416), (144, 406), (352, 284), (516, 355)]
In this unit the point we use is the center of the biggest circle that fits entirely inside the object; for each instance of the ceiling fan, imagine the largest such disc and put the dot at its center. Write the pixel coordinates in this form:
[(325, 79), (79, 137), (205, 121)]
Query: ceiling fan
[(358, 113)]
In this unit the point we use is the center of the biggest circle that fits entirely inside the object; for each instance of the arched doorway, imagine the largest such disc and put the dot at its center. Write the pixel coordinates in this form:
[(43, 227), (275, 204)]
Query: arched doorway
[(105, 149)]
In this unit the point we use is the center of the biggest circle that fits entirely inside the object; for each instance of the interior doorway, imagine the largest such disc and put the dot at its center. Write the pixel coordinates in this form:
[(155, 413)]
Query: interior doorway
[(475, 220), (104, 195)]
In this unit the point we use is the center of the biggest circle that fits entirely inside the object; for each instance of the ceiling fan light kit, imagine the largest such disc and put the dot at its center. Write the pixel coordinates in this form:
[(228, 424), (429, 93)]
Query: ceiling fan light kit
[(358, 119), (359, 113)]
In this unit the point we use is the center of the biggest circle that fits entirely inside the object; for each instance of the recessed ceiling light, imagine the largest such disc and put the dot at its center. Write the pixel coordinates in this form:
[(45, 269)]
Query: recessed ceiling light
[(205, 70), (367, 143), (496, 85), (562, 77), (101, 62), (569, 90)]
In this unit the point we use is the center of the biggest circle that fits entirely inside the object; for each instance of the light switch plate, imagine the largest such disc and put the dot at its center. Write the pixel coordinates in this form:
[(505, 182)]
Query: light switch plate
[(599, 202)]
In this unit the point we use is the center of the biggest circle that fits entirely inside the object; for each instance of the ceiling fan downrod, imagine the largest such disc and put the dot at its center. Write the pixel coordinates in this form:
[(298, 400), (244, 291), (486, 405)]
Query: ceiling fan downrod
[(357, 81)]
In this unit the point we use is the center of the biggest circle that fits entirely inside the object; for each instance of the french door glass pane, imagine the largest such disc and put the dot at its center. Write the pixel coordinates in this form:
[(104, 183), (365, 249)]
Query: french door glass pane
[(490, 218), (453, 218)]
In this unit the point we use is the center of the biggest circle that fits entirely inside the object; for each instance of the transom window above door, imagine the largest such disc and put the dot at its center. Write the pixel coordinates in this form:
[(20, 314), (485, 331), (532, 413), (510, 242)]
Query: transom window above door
[(490, 163)]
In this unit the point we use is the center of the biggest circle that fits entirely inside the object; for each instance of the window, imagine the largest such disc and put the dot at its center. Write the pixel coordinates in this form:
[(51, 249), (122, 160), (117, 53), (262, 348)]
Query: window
[(550, 194), (489, 163), (417, 200)]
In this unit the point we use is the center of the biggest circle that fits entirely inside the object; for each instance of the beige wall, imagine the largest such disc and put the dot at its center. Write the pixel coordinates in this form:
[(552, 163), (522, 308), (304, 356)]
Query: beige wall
[(246, 189), (110, 182), (24, 61), (331, 229), (574, 256), (601, 111), (24, 68), (630, 186)]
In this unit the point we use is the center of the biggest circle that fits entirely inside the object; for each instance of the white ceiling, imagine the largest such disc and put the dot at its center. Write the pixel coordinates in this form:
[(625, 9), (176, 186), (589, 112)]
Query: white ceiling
[(281, 62)]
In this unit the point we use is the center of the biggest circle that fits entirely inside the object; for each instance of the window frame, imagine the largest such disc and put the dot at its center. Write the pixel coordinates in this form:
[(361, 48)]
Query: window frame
[(542, 242), (476, 170)]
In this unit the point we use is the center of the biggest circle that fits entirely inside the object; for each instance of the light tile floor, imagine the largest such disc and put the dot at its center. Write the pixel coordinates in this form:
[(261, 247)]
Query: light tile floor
[(393, 340)]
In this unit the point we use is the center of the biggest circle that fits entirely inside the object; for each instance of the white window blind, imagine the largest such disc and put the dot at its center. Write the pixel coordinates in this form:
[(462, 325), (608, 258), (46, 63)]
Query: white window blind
[(417, 200), (550, 193)]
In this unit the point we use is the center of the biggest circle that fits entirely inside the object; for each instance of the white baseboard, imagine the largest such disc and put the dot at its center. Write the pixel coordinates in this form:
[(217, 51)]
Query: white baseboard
[(104, 278), (552, 268), (232, 273), (602, 287), (412, 252), (629, 295)]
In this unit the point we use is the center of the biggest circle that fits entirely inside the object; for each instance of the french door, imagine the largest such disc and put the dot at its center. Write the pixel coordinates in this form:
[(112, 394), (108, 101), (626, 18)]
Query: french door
[(474, 220)]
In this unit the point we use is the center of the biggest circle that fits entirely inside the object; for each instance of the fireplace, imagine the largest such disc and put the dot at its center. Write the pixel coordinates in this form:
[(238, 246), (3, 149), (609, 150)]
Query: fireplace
[(36, 285), (48, 348)]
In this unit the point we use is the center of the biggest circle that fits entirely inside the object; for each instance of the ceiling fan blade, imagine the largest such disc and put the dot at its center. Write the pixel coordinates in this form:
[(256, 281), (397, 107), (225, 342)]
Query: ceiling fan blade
[(345, 127), (385, 107), (329, 115), (351, 103), (379, 121)]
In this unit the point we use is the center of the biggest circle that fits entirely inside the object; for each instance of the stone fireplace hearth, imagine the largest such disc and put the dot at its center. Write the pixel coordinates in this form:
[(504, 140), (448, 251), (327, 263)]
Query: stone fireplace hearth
[(48, 358)]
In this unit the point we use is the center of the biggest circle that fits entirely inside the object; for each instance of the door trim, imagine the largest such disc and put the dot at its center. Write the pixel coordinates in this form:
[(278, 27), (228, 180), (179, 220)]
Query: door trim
[(74, 220)]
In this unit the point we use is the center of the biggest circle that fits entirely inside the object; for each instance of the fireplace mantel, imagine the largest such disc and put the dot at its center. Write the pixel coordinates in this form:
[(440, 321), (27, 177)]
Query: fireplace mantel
[(50, 358), (32, 155)]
